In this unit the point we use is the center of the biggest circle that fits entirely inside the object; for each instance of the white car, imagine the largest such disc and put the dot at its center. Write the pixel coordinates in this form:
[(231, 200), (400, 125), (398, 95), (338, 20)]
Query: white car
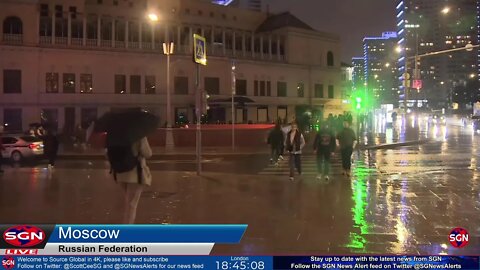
[(19, 147)]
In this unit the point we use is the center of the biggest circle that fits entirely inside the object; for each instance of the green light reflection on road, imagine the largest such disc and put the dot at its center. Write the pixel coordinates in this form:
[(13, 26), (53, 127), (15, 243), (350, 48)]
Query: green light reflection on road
[(359, 196)]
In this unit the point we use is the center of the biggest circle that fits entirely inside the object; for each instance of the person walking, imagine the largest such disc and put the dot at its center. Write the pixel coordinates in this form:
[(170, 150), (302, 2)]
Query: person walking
[(347, 141), (130, 170), (294, 144), (324, 147), (51, 143), (275, 139)]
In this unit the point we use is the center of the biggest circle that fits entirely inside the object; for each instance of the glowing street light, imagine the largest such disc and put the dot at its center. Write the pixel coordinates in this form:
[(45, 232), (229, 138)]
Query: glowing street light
[(398, 49), (446, 10), (153, 17), (387, 65), (472, 75)]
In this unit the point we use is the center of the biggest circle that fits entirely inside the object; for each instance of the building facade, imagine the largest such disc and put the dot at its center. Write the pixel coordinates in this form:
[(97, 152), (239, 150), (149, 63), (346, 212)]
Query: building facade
[(427, 26), (68, 62), (358, 74), (380, 69)]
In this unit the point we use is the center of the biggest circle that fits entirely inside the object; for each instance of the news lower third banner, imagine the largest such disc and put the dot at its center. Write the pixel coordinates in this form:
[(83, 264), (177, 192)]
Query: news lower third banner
[(173, 247), (239, 262), (116, 239)]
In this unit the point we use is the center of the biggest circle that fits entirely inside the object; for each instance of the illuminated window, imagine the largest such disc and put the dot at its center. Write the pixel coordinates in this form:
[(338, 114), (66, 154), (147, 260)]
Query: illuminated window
[(86, 83), (51, 80), (68, 82)]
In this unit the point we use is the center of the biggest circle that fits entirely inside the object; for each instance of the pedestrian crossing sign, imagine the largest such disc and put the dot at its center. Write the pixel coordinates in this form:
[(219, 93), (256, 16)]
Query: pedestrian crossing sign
[(199, 50)]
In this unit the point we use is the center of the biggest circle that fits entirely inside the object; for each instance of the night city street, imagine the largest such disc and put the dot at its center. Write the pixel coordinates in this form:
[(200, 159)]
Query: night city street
[(249, 127), (402, 200)]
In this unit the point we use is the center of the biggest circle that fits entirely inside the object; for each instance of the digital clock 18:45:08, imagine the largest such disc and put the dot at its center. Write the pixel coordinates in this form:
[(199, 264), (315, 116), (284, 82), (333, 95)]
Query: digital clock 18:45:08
[(240, 265)]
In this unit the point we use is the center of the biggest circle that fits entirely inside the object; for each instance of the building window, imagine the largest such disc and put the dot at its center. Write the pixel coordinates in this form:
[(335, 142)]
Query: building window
[(12, 120), (262, 88), (150, 84), (120, 84), (69, 82), (51, 80), (12, 25), (212, 85), (12, 81), (319, 91), (59, 11), (331, 92), (241, 87), (135, 84), (281, 89), (301, 89), (269, 89), (86, 83), (255, 88), (88, 115), (262, 115), (330, 59), (44, 10), (181, 85)]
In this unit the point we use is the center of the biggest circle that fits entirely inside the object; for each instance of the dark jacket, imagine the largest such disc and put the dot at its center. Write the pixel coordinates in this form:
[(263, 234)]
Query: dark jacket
[(275, 138), (298, 142), (324, 141), (51, 144)]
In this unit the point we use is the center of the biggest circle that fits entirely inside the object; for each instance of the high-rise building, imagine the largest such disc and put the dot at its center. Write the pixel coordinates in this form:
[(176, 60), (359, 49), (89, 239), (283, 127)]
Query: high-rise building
[(358, 75), (380, 68), (427, 26)]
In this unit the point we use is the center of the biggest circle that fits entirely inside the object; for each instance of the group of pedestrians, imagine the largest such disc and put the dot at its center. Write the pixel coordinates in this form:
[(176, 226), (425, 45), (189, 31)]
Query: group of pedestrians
[(324, 147)]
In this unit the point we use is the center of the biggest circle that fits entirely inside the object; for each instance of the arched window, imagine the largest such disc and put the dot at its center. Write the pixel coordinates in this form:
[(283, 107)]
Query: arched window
[(12, 25), (330, 60)]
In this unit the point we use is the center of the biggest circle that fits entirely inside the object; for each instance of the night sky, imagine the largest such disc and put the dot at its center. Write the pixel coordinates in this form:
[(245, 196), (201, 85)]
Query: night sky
[(351, 19)]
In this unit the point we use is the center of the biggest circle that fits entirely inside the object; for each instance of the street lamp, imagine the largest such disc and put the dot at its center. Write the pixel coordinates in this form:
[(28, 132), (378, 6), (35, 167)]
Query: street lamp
[(446, 10), (152, 17), (169, 143), (167, 50)]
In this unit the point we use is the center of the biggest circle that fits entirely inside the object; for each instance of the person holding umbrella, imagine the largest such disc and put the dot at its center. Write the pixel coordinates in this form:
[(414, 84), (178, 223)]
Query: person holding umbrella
[(127, 151)]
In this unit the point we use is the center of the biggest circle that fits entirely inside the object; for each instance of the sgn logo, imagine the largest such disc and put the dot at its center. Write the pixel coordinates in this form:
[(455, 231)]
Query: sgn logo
[(24, 236), (8, 262), (458, 237)]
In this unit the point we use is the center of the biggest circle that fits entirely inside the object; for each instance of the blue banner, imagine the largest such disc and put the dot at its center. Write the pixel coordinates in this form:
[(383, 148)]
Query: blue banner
[(376, 262), (221, 234)]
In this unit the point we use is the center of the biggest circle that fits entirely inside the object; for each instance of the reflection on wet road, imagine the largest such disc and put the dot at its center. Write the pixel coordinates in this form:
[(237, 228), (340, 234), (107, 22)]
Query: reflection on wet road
[(402, 200)]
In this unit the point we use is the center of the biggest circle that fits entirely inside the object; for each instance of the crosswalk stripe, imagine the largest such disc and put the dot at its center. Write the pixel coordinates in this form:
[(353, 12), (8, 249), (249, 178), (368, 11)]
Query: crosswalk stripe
[(309, 166)]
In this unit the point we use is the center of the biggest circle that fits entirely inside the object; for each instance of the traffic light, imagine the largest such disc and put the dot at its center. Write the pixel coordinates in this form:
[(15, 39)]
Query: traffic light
[(358, 103), (204, 104)]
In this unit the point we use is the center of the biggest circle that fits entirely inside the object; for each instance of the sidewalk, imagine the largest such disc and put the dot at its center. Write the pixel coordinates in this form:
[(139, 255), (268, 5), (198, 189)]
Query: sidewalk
[(158, 152), (162, 151)]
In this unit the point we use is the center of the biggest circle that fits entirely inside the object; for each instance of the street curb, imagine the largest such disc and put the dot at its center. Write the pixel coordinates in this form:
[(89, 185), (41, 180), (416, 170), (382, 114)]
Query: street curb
[(395, 145), (156, 156)]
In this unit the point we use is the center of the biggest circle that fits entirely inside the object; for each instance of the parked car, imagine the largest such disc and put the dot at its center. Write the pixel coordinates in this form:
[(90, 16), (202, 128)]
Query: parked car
[(20, 147)]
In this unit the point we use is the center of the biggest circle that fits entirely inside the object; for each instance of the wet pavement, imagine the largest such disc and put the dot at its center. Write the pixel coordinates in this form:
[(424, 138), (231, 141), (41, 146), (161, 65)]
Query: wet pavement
[(404, 200)]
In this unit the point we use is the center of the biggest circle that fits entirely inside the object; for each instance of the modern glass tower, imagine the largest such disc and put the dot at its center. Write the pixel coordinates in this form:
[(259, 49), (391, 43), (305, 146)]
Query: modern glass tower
[(425, 26)]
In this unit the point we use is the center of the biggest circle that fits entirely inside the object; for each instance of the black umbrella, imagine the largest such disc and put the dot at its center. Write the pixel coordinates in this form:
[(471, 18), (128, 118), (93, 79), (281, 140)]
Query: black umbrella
[(126, 127)]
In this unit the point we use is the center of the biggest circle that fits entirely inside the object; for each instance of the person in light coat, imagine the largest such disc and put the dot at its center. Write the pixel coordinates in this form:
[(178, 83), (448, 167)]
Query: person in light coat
[(132, 185)]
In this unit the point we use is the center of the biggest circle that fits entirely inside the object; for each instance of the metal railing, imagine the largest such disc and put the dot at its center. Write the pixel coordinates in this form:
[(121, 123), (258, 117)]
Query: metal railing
[(61, 40), (13, 38)]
